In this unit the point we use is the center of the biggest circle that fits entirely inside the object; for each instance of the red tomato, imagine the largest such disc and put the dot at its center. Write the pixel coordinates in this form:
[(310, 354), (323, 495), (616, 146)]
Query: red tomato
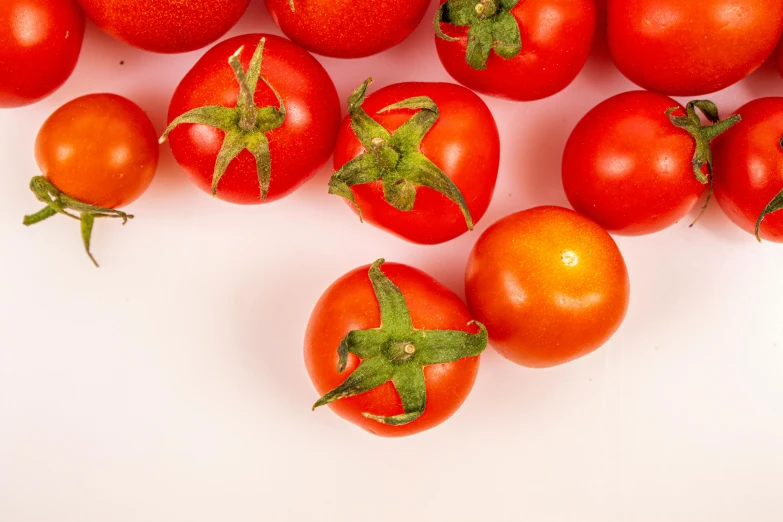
[(528, 52), (346, 28), (459, 156), (300, 135), (549, 284), (689, 48), (98, 153), (779, 57), (165, 26), (628, 167), (413, 361), (749, 168), (40, 42)]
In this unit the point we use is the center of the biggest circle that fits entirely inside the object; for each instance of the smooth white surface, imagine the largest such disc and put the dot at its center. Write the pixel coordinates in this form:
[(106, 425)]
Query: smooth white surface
[(169, 384)]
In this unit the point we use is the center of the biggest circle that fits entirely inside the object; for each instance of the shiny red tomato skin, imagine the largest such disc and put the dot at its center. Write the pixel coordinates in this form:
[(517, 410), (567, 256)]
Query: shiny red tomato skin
[(346, 28), (688, 48), (350, 304), (165, 26), (40, 42), (628, 168), (297, 149), (464, 143), (779, 57), (749, 167), (556, 40)]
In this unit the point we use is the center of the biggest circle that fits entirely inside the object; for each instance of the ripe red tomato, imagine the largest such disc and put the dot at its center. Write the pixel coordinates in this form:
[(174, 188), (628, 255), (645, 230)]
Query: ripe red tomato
[(549, 284), (749, 169), (165, 26), (263, 155), (393, 351), (539, 45), (629, 166), (97, 153), (688, 48), (40, 42), (419, 160), (346, 28), (779, 57)]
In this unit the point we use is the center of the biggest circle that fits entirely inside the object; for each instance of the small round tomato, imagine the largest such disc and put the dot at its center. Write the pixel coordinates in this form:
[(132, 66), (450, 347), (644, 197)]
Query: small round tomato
[(638, 162), (419, 160), (40, 42), (392, 350), (749, 169), (549, 284), (518, 49), (254, 118), (165, 26), (97, 153), (346, 28), (688, 48)]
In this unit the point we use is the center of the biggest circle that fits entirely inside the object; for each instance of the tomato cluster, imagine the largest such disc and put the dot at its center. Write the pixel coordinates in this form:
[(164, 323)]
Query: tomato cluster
[(388, 347)]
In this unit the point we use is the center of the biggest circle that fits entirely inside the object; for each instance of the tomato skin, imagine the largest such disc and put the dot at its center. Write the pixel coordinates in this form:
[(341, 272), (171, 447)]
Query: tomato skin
[(297, 149), (100, 149), (779, 57), (40, 42), (556, 39), (691, 48), (539, 311), (464, 143), (350, 304), (165, 26), (628, 168), (346, 28), (749, 167)]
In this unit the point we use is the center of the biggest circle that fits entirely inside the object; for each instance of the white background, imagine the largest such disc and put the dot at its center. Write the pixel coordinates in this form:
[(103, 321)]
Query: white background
[(169, 384)]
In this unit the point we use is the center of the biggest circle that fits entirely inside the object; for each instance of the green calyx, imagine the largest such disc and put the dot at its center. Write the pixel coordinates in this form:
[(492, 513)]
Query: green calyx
[(59, 203), (773, 206), (245, 125), (491, 26), (395, 159), (703, 135), (398, 352)]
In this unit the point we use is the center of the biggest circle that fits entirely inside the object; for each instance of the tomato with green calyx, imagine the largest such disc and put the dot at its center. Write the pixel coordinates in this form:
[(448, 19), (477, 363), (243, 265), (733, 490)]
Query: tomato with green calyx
[(518, 49), (639, 162), (97, 153), (419, 160), (392, 350), (749, 170), (251, 129), (346, 28)]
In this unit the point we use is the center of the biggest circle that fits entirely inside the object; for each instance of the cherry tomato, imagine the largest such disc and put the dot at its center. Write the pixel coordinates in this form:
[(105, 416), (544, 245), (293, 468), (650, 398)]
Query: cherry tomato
[(165, 26), (346, 28), (242, 154), (419, 160), (40, 42), (392, 351), (749, 169), (517, 49), (688, 48), (629, 163), (97, 153), (549, 284)]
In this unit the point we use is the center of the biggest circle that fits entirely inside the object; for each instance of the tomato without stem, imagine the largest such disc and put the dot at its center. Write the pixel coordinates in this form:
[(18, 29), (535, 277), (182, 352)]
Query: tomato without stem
[(749, 169), (40, 42), (257, 139), (392, 350), (419, 160), (687, 48), (97, 153), (638, 162), (549, 284), (346, 28), (165, 26), (522, 50)]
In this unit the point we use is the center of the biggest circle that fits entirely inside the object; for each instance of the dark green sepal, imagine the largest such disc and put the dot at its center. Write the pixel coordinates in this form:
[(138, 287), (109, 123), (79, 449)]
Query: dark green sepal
[(773, 206), (398, 352)]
